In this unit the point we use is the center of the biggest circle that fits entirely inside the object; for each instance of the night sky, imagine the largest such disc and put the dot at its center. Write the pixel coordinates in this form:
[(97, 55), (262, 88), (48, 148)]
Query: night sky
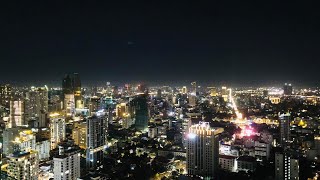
[(160, 41)]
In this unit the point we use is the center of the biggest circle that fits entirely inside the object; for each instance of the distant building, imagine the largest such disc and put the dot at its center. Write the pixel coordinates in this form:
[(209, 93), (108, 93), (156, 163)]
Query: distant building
[(79, 134), (184, 90), (18, 139), (247, 163), (23, 165), (274, 100), (140, 112), (203, 150), (228, 162), (287, 89), (262, 150), (286, 167), (57, 129), (43, 148), (69, 104), (36, 105), (71, 84), (16, 113), (5, 95), (284, 125), (67, 162), (96, 140)]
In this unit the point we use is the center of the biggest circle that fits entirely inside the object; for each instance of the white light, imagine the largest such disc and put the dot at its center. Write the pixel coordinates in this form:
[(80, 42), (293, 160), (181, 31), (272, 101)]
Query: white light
[(191, 135)]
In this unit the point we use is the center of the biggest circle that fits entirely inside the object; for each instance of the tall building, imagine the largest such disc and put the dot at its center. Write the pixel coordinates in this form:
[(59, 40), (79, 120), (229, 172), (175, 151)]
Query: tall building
[(96, 140), (121, 110), (184, 90), (66, 164), (140, 112), (57, 129), (287, 89), (36, 105), (159, 93), (23, 165), (284, 126), (18, 139), (203, 150), (71, 84), (69, 104), (286, 167), (192, 100), (194, 88), (77, 91), (16, 113), (79, 134), (5, 95)]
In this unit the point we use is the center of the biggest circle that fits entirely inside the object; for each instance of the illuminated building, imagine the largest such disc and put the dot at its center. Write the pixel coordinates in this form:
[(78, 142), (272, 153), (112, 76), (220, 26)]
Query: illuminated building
[(284, 126), (67, 163), (228, 162), (184, 90), (194, 88), (69, 104), (43, 149), (140, 112), (96, 140), (18, 139), (57, 129), (71, 84), (192, 100), (23, 165), (274, 100), (77, 91), (94, 104), (16, 113), (261, 150), (286, 167), (224, 93), (121, 110), (203, 150), (5, 95), (36, 105), (127, 121), (79, 134), (213, 91), (287, 89)]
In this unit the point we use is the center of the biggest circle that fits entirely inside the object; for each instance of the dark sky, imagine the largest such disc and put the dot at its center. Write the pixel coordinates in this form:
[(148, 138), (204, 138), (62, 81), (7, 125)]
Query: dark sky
[(231, 41)]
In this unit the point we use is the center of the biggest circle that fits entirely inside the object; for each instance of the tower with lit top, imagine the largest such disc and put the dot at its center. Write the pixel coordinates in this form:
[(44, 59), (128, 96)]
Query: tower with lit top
[(203, 150)]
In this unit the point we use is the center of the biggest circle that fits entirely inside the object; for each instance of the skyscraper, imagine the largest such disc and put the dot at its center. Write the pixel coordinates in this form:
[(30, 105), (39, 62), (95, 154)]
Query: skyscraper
[(23, 165), (57, 129), (16, 113), (96, 140), (36, 105), (71, 84), (284, 126), (67, 163), (69, 104), (5, 95), (79, 134), (287, 89), (286, 167), (140, 112), (77, 90), (203, 150)]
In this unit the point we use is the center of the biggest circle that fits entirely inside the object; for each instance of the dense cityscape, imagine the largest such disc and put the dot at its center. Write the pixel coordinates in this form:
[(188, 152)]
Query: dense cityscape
[(139, 132)]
